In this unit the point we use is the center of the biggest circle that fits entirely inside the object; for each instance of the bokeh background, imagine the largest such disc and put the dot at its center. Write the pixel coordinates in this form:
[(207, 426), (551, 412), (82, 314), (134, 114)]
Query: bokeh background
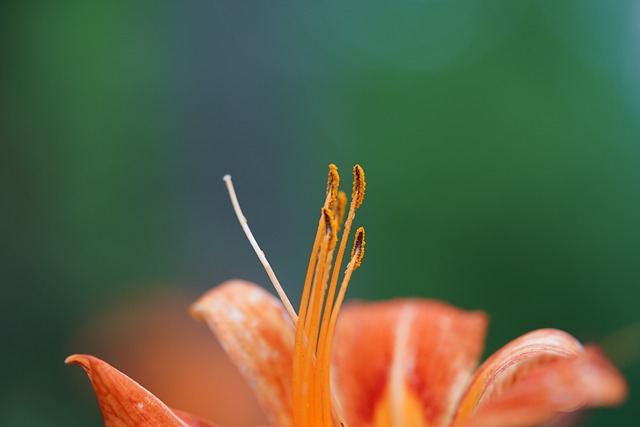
[(501, 142)]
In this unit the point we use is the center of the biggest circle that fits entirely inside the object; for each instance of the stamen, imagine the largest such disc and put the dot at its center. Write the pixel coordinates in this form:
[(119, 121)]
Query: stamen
[(322, 387), (261, 256), (301, 341), (324, 358), (312, 321), (313, 404), (301, 344), (323, 266)]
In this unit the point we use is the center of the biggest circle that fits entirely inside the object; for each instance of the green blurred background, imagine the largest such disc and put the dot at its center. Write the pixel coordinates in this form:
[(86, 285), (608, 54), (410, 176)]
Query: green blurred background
[(500, 141)]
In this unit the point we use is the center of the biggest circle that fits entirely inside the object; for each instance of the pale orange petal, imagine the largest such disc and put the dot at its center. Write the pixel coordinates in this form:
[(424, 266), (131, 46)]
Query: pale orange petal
[(498, 373), (258, 336), (124, 402), (550, 390), (404, 362)]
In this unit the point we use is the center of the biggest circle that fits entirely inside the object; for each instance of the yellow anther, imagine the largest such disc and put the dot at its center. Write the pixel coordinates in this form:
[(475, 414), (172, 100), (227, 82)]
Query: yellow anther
[(331, 227), (333, 182), (358, 186), (358, 248)]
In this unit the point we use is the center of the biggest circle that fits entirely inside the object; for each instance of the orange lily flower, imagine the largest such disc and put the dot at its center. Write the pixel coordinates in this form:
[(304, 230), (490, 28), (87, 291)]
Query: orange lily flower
[(406, 362)]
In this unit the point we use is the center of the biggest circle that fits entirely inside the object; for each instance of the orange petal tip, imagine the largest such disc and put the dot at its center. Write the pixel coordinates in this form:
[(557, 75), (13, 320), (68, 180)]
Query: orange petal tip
[(78, 359), (123, 402)]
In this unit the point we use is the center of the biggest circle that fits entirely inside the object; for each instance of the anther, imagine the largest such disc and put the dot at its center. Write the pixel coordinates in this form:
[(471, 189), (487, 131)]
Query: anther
[(358, 186), (358, 248), (331, 227), (333, 181)]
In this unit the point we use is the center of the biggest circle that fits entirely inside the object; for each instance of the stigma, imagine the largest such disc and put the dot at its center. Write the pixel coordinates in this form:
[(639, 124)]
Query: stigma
[(322, 297)]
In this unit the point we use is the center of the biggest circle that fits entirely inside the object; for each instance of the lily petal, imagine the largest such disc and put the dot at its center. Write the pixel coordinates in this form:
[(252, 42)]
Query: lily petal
[(512, 361), (125, 403), (543, 365), (258, 336), (549, 391), (404, 362)]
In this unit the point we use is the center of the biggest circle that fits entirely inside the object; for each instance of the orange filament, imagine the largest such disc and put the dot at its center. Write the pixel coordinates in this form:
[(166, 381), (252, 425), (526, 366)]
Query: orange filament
[(324, 360), (317, 297), (322, 389), (301, 338), (312, 400)]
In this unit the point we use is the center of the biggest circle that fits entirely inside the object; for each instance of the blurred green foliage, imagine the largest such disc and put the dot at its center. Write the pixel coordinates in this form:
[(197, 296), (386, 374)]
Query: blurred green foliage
[(500, 141)]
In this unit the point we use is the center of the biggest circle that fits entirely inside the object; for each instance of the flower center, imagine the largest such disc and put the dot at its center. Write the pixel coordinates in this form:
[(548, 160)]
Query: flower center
[(313, 403)]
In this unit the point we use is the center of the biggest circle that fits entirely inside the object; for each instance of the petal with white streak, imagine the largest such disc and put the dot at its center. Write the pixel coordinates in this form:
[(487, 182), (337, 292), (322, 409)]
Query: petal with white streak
[(536, 378), (404, 362), (258, 336)]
